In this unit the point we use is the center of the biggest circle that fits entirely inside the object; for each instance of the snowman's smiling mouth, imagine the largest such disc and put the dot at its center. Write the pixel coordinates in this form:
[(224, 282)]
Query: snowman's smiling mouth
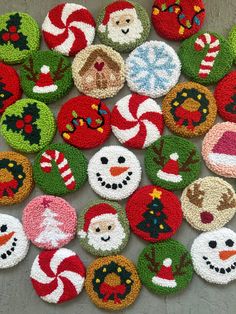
[(9, 252), (114, 186), (105, 239), (219, 269)]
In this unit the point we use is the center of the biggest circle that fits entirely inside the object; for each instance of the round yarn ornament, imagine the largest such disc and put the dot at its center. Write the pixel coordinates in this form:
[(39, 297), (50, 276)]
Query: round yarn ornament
[(19, 37), (84, 122), (60, 169), (123, 25), (112, 282), (114, 172), (165, 267), (28, 125), (154, 214), (68, 28), (172, 162), (232, 40), (49, 222), (16, 178), (225, 95), (137, 121), (99, 71), (206, 57), (46, 76), (177, 20), (103, 228), (58, 276), (153, 69), (10, 89), (213, 254), (189, 109), (219, 149), (14, 243), (208, 203)]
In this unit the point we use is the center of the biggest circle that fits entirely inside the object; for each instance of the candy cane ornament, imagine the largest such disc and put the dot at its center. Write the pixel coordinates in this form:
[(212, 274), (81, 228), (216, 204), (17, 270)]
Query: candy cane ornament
[(214, 47)]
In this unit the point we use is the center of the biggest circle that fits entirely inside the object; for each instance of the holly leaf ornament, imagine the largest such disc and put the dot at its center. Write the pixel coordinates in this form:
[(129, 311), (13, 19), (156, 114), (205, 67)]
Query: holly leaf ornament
[(14, 20)]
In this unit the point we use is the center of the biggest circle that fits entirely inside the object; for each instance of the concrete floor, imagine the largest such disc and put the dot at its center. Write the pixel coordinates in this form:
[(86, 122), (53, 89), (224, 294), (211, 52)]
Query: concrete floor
[(16, 293)]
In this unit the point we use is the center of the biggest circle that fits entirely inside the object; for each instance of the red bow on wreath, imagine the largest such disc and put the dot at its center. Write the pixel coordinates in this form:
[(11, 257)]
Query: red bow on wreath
[(108, 291), (190, 116), (6, 187)]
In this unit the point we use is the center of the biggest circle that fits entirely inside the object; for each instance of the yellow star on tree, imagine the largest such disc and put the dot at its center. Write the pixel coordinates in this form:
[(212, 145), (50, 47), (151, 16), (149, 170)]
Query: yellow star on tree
[(155, 194)]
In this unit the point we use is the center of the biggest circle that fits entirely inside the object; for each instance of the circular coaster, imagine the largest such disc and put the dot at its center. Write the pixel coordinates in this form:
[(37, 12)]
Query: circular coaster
[(154, 214), (172, 162), (112, 283), (123, 25), (137, 121), (206, 57), (189, 109), (14, 244), (103, 228), (219, 149), (178, 20), (232, 40), (165, 267), (57, 276), (98, 71), (10, 90), (28, 125), (46, 76), (84, 122), (114, 172), (16, 178), (208, 203), (213, 254), (19, 37), (68, 28), (49, 222), (60, 169), (225, 95), (153, 69)]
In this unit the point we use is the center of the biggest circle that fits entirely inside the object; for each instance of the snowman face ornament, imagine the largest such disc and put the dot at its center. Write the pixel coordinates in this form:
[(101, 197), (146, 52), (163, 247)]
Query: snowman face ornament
[(214, 256), (114, 172)]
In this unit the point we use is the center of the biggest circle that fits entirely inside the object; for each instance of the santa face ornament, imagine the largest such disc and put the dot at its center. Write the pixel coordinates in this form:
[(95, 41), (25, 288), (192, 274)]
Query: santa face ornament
[(214, 256), (14, 244), (114, 172)]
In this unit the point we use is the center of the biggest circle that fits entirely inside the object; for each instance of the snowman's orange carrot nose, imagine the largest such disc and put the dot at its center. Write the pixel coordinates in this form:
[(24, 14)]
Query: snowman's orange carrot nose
[(224, 255), (6, 237), (116, 171)]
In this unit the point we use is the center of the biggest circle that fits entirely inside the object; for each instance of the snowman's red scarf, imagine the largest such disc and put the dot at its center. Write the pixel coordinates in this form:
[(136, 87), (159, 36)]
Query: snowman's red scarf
[(190, 116), (108, 291), (6, 187)]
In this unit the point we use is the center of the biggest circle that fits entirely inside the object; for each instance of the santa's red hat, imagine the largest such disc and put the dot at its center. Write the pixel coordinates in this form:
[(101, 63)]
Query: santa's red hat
[(165, 277), (97, 213), (170, 172), (112, 8), (45, 82)]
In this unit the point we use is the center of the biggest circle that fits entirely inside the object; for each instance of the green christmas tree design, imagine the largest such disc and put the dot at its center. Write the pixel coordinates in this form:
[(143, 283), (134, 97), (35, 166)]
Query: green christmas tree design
[(4, 94), (231, 107)]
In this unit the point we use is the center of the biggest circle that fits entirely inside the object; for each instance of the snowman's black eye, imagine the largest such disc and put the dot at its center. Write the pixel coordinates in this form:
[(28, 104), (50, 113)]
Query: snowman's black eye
[(97, 229), (229, 243), (121, 160), (117, 22), (212, 244), (3, 228), (104, 160), (109, 228)]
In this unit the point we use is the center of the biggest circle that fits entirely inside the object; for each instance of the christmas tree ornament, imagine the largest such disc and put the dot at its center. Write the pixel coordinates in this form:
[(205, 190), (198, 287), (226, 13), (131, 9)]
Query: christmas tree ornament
[(68, 28), (123, 25), (103, 228), (154, 213), (114, 172), (16, 178), (46, 76), (208, 203), (28, 125), (19, 37), (49, 222), (60, 169), (225, 95), (84, 122), (112, 282), (219, 149), (98, 71), (232, 40), (137, 121), (213, 254), (58, 276), (152, 69), (172, 162), (178, 19), (165, 267), (14, 244), (206, 57), (189, 109), (10, 89)]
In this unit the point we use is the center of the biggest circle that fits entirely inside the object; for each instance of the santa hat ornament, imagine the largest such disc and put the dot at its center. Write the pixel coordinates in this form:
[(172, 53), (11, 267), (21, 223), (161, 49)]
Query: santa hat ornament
[(170, 171), (165, 277), (45, 82)]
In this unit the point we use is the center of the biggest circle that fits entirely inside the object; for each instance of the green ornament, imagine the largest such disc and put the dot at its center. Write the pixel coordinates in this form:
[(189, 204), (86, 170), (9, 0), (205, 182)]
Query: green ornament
[(232, 40)]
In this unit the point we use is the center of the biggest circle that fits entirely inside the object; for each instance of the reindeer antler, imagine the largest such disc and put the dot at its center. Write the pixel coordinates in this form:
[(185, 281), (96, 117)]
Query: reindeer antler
[(33, 76), (195, 196), (184, 262), (153, 266), (161, 159), (58, 75), (227, 201), (189, 161)]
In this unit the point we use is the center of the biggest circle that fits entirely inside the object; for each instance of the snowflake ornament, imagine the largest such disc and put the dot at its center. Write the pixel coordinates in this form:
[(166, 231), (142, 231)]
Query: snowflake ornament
[(153, 69)]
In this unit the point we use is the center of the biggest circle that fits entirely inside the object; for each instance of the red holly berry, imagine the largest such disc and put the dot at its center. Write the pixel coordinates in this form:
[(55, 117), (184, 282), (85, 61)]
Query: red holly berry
[(12, 29), (20, 124), (5, 36), (28, 118), (28, 128), (15, 37)]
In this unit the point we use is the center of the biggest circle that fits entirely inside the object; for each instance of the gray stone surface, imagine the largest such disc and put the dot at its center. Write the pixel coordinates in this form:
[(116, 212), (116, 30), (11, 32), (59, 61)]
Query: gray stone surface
[(16, 293)]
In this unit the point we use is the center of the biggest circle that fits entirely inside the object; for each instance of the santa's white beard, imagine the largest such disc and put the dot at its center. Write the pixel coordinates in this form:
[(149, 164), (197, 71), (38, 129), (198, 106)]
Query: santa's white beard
[(116, 238)]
